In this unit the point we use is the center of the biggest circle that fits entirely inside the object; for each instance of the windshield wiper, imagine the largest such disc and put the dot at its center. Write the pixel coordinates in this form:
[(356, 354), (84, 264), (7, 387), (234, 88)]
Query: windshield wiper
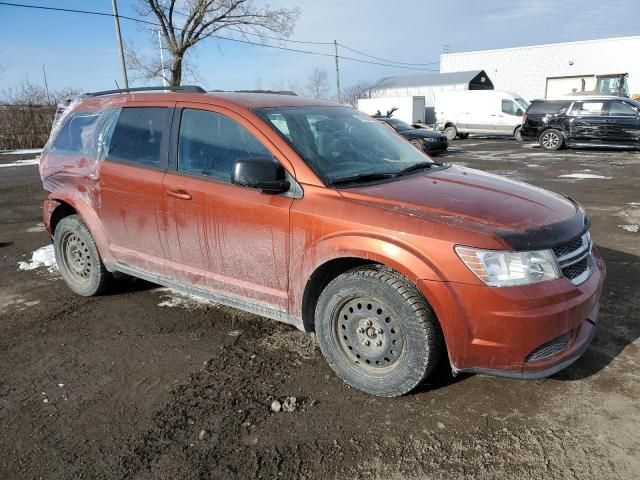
[(363, 177), (415, 167)]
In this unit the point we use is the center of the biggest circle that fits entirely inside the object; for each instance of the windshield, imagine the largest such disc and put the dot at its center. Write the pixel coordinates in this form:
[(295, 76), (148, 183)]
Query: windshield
[(399, 125), (340, 143)]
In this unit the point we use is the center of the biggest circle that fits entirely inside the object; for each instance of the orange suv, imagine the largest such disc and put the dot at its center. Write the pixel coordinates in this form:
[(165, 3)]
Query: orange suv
[(316, 215)]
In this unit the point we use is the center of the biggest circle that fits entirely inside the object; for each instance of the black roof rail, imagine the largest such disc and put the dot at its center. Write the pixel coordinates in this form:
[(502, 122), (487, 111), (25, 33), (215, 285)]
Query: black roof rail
[(275, 92), (180, 88)]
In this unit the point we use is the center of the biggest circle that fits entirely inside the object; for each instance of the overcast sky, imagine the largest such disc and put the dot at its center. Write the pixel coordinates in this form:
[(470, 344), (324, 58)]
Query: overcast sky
[(80, 51)]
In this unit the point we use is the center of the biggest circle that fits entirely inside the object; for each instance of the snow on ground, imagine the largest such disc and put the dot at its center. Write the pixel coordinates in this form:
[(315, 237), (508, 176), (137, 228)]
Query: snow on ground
[(21, 152), (584, 175), (21, 163), (41, 258), (630, 228), (175, 298)]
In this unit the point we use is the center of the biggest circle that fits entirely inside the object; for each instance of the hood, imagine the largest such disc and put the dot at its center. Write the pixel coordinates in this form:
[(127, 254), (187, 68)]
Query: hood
[(422, 133), (523, 215)]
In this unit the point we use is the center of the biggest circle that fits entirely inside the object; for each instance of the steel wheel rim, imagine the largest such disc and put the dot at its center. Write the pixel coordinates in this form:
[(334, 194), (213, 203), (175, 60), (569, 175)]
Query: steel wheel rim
[(76, 258), (550, 140), (369, 335)]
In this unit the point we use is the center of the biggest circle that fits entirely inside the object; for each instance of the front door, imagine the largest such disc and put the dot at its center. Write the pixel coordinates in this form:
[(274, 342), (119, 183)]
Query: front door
[(222, 237), (509, 118), (622, 123), (130, 181)]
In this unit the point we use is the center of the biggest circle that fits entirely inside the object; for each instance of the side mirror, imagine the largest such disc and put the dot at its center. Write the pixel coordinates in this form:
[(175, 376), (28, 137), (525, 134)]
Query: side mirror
[(262, 173), (519, 112)]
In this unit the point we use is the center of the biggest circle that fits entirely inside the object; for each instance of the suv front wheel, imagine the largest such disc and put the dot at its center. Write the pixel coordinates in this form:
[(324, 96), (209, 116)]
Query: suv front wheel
[(78, 258), (552, 139), (377, 331)]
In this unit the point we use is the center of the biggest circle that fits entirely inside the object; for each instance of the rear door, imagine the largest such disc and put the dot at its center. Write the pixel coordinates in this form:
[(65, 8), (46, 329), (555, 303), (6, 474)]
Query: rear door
[(222, 237), (622, 123), (130, 182), (588, 121)]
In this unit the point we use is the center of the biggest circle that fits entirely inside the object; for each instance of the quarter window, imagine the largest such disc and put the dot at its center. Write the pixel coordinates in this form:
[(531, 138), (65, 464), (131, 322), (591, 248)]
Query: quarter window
[(511, 108), (137, 136), (210, 144), (621, 109), (78, 135)]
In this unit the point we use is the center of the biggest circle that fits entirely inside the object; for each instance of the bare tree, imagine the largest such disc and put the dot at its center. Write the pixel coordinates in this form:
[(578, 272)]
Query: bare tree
[(184, 25), (351, 94), (318, 84)]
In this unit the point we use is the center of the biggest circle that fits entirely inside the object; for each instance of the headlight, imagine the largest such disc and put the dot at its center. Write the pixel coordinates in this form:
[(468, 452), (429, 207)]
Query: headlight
[(498, 268), (430, 139)]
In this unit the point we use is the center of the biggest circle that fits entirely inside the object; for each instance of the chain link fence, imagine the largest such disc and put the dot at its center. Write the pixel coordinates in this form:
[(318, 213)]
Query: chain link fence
[(25, 125)]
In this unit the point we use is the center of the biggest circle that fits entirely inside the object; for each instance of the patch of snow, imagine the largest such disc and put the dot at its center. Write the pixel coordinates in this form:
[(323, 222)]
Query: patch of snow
[(630, 228), (21, 163), (176, 298), (533, 165), (42, 257), (38, 228), (584, 175), (22, 152)]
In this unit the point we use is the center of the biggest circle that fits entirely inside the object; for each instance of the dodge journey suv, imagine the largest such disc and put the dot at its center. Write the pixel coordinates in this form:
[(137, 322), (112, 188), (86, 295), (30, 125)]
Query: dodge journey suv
[(314, 214)]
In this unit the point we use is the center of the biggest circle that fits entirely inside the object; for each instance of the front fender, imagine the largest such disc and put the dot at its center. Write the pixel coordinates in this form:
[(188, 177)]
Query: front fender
[(391, 252)]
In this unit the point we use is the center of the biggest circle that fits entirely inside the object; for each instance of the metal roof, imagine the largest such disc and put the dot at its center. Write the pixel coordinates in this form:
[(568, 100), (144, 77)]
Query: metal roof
[(428, 80)]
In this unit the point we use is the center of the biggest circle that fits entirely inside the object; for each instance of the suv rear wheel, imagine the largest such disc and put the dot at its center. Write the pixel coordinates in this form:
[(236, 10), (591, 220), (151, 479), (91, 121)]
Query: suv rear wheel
[(78, 259), (377, 331), (552, 139)]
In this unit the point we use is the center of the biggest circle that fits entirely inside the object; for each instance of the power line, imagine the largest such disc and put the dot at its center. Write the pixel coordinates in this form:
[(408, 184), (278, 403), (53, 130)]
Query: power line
[(220, 37), (384, 60)]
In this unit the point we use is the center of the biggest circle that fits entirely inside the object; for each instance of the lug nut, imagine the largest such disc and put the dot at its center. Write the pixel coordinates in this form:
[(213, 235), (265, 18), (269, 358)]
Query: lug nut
[(367, 343), (368, 323), (379, 343), (379, 331), (360, 330)]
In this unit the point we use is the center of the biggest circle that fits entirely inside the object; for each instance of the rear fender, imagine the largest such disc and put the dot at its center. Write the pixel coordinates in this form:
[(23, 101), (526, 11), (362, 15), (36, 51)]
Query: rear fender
[(88, 214)]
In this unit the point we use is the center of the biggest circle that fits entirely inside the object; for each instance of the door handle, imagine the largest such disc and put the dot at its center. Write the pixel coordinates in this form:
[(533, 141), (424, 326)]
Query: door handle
[(180, 194)]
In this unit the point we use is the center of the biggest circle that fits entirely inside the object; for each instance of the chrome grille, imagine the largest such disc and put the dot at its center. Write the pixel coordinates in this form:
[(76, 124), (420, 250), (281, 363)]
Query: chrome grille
[(550, 348), (574, 258)]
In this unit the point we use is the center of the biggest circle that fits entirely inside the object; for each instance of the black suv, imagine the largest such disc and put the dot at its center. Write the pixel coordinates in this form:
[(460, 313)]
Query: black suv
[(426, 140), (583, 121)]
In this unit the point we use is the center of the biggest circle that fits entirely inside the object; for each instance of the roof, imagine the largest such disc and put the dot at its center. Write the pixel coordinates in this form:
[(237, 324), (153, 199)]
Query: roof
[(262, 100), (428, 80), (544, 45)]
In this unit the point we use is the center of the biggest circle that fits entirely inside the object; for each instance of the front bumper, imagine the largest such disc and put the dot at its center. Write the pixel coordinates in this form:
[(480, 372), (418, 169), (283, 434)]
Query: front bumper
[(500, 331)]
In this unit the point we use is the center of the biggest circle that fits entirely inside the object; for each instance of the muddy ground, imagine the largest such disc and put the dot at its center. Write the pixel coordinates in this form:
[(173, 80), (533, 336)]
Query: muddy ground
[(142, 383)]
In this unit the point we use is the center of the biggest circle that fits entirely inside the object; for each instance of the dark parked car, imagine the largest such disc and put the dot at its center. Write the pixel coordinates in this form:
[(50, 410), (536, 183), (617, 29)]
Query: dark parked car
[(426, 140), (583, 121)]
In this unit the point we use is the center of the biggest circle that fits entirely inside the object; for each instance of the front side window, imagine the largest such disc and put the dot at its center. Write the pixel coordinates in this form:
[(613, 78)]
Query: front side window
[(138, 134), (621, 109), (588, 108), (340, 143), (210, 144), (511, 108)]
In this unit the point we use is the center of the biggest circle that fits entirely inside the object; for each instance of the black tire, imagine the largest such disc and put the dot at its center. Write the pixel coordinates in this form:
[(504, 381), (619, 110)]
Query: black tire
[(78, 258), (451, 132), (376, 305), (551, 139), (517, 134), (463, 136)]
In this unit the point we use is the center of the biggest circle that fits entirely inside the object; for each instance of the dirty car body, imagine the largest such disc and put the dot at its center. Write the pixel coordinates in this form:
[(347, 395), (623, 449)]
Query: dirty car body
[(507, 271)]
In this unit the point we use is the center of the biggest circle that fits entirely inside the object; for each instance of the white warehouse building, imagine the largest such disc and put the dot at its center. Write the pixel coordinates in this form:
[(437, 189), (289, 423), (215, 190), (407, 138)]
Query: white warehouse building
[(553, 70)]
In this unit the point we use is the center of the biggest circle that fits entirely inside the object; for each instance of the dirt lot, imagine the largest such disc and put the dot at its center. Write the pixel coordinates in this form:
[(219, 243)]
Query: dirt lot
[(143, 383)]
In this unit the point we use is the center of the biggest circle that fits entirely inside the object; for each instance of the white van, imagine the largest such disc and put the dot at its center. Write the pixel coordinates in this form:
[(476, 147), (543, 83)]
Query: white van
[(487, 112)]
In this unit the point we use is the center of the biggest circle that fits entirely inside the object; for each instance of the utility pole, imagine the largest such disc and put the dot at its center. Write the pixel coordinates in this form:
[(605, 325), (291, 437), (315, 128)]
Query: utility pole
[(123, 65), (335, 44), (164, 76), (46, 85)]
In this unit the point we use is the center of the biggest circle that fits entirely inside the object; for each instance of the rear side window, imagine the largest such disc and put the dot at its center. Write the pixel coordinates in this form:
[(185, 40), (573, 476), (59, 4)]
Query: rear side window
[(511, 108), (138, 134), (210, 144), (588, 108), (546, 108), (79, 135)]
